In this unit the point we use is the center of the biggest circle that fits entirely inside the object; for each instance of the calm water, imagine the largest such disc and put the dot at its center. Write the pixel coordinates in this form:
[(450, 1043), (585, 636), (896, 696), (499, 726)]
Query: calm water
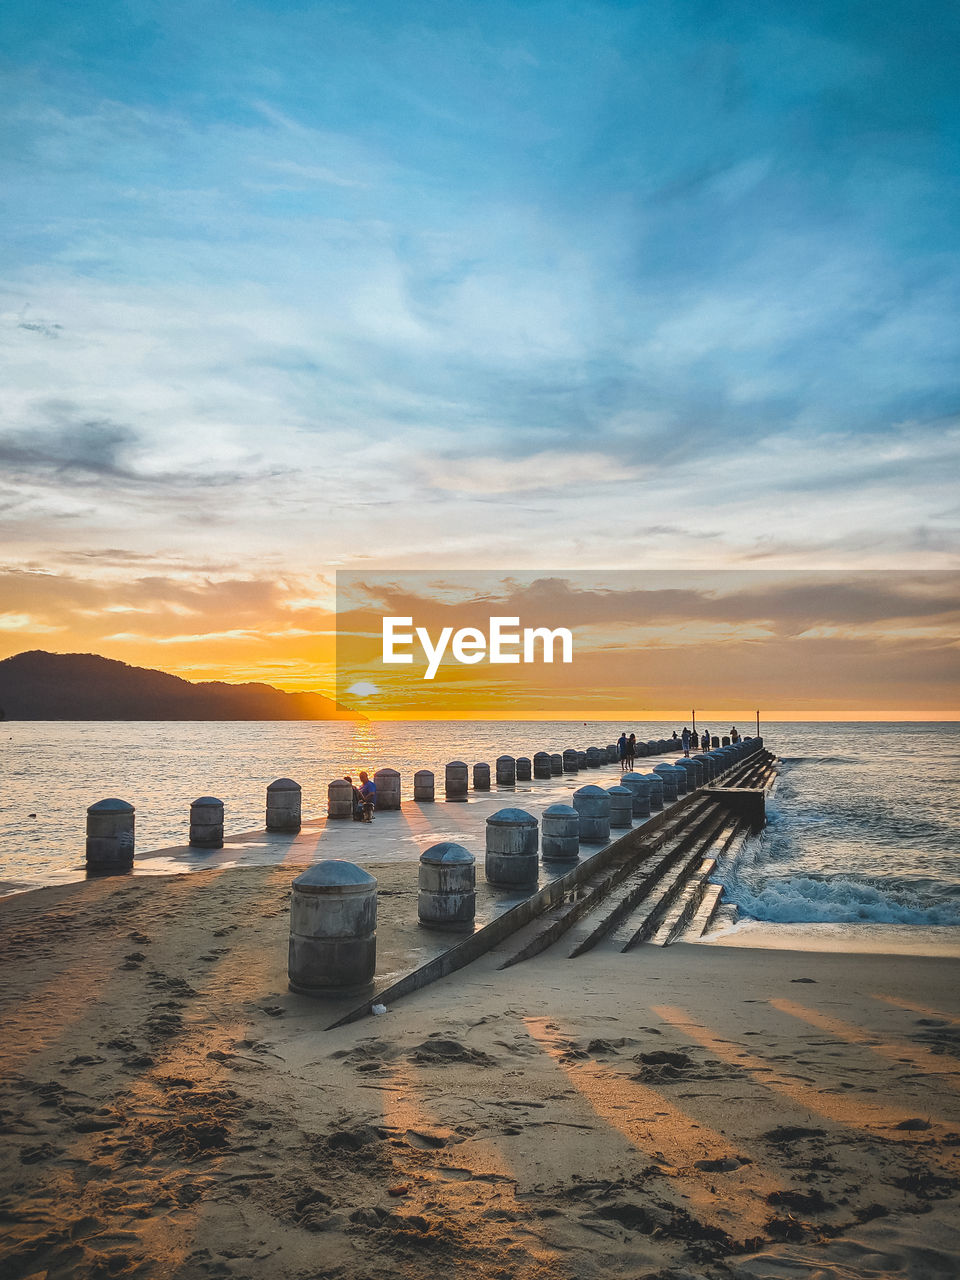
[(863, 822)]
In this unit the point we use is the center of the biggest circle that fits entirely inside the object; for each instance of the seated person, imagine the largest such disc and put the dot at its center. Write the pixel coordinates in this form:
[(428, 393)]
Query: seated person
[(368, 796)]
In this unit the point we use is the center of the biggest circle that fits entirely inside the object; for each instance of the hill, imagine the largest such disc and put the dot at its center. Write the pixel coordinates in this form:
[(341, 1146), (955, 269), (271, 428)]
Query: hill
[(37, 685)]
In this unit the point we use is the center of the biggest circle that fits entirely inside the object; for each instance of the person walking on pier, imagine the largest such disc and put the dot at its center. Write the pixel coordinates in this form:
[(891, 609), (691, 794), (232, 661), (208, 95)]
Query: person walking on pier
[(734, 736), (685, 739), (631, 751), (705, 740), (622, 750)]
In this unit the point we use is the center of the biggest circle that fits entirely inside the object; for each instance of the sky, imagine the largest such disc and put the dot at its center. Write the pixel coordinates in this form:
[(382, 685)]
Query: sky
[(297, 287)]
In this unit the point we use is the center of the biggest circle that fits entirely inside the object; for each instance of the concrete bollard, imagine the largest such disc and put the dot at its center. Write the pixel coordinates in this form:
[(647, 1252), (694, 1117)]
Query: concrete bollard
[(283, 805), (387, 782), (206, 823), (621, 807), (714, 742), (725, 741), (665, 773), (560, 835), (571, 760), (110, 840), (654, 790), (455, 780), (692, 769), (511, 848), (447, 896), (556, 765), (639, 787), (506, 771), (581, 760), (333, 930), (523, 769), (481, 777), (423, 785), (340, 799), (593, 805), (611, 754), (593, 757), (541, 764)]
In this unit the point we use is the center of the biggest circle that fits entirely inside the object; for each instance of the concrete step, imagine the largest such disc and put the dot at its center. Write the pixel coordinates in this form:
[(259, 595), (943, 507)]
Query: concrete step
[(675, 859), (646, 919), (586, 898), (703, 917), (687, 901)]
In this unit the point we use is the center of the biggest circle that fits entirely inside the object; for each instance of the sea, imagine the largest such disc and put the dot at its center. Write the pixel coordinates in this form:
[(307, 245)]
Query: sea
[(863, 824)]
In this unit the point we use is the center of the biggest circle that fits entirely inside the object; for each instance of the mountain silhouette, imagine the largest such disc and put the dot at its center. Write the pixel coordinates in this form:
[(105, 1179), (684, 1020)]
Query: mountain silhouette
[(37, 685)]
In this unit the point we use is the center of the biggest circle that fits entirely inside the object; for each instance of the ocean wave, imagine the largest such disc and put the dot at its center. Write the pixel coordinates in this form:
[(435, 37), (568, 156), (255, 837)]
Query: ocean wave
[(839, 900)]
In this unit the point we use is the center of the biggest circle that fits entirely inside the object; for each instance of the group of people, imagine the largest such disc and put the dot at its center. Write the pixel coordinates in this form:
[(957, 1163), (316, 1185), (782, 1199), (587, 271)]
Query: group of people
[(364, 797), (627, 746)]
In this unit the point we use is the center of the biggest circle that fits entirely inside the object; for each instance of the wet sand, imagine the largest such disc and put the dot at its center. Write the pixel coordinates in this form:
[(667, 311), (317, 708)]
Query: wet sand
[(170, 1109)]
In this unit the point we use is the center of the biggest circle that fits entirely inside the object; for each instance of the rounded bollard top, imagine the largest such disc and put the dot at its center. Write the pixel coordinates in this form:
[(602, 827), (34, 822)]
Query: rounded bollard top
[(456, 764), (111, 806), (387, 773), (512, 818), (511, 758), (423, 773), (446, 853), (619, 791), (335, 876), (590, 790), (561, 811), (632, 774), (663, 768), (541, 755), (207, 800), (284, 784), (523, 759)]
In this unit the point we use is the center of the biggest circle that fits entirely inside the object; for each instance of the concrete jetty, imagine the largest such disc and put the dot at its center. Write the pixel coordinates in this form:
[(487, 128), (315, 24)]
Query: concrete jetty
[(418, 955)]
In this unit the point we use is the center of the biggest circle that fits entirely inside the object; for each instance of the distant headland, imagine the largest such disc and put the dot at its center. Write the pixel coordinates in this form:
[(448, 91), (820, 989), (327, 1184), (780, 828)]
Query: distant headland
[(38, 685)]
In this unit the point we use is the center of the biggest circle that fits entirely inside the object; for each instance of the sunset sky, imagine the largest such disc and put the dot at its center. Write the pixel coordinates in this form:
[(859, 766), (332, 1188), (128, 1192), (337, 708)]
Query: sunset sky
[(290, 288)]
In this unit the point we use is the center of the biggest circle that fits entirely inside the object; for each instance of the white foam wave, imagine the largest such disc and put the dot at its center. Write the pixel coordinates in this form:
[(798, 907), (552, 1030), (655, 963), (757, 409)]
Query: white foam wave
[(806, 900)]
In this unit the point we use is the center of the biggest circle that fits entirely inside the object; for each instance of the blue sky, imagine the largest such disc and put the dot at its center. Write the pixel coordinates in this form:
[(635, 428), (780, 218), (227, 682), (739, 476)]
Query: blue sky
[(290, 286)]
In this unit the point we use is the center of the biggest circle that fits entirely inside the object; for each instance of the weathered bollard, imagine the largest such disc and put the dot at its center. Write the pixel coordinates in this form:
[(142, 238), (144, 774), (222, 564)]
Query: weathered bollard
[(611, 754), (621, 807), (481, 777), (511, 852), (423, 785), (560, 834), (665, 773), (654, 789), (110, 826), (725, 741), (593, 805), (333, 930), (556, 764), (283, 805), (455, 780), (506, 771), (639, 787), (581, 760), (340, 799), (387, 782), (593, 757), (541, 764), (448, 876), (692, 770), (714, 742), (523, 769), (706, 764), (671, 774), (206, 823), (571, 758)]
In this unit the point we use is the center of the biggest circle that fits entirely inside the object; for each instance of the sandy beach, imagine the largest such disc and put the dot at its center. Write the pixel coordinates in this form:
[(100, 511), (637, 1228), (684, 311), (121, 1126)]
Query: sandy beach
[(170, 1109)]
